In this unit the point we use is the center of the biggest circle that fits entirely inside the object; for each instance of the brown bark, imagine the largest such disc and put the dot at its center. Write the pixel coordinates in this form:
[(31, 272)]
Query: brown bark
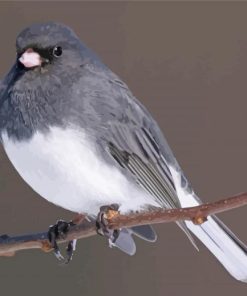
[(198, 214)]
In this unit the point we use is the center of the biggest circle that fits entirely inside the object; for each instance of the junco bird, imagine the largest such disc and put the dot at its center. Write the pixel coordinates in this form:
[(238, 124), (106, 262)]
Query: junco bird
[(80, 139)]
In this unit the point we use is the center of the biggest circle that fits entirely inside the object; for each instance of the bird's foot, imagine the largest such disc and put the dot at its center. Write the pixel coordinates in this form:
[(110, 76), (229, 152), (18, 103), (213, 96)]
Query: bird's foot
[(59, 231), (106, 213)]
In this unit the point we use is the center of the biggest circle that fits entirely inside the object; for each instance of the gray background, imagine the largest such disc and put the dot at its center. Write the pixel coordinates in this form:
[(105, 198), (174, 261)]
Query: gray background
[(187, 63)]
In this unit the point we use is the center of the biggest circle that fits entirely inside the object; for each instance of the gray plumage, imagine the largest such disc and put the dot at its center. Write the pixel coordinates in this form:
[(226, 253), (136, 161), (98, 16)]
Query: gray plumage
[(78, 90)]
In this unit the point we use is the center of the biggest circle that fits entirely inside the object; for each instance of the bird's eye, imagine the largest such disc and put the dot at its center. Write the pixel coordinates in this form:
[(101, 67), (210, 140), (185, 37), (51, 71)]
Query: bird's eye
[(57, 51)]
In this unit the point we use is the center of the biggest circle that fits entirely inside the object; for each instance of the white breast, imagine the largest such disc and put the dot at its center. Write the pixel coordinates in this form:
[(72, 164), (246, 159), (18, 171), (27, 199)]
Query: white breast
[(64, 168)]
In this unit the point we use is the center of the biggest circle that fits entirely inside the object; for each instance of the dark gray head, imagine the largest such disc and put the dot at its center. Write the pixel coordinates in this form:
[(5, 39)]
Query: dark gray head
[(45, 35), (46, 49), (49, 61)]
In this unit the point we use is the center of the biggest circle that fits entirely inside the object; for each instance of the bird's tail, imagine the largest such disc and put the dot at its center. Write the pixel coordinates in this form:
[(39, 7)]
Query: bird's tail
[(225, 246), (125, 241), (215, 235)]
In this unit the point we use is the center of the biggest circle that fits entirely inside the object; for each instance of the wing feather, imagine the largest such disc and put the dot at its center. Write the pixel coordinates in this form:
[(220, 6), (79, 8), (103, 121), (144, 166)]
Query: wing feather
[(157, 182)]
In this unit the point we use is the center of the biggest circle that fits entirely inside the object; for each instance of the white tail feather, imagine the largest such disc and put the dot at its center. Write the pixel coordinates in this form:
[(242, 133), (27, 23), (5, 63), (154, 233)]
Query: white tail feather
[(230, 251), (225, 249)]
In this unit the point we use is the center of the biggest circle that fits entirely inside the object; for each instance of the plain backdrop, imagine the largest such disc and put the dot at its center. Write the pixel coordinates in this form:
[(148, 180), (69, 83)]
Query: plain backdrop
[(187, 62)]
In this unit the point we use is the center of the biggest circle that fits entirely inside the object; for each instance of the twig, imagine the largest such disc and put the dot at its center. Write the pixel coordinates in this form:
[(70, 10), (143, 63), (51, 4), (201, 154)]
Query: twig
[(198, 214)]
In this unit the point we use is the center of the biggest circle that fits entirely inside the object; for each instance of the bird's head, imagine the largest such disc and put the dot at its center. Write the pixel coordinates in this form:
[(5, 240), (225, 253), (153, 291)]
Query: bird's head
[(37, 90), (48, 49)]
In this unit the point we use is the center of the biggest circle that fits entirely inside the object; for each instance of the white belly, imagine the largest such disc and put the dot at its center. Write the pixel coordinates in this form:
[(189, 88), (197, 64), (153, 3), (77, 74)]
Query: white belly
[(64, 168)]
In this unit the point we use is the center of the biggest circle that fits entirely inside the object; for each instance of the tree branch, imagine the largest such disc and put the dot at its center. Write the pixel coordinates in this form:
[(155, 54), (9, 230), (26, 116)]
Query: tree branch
[(198, 215)]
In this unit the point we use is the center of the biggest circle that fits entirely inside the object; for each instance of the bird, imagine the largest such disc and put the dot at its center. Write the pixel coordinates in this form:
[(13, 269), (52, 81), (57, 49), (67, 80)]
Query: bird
[(78, 136)]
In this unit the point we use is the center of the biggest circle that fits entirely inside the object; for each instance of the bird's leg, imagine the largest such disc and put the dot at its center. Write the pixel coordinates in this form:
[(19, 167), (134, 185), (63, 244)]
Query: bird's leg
[(72, 244), (105, 213), (59, 231)]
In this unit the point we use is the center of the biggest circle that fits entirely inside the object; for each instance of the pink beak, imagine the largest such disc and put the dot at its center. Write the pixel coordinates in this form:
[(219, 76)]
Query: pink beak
[(30, 58)]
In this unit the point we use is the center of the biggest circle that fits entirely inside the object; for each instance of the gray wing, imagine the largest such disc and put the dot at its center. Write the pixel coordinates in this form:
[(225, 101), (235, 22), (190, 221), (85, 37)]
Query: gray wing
[(136, 143), (128, 134)]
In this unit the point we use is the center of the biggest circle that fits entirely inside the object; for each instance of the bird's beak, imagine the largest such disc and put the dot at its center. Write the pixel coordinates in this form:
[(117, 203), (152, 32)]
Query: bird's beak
[(30, 58)]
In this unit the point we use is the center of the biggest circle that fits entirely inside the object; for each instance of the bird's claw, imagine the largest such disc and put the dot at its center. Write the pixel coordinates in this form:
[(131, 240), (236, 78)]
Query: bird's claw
[(59, 231), (101, 223), (58, 255)]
